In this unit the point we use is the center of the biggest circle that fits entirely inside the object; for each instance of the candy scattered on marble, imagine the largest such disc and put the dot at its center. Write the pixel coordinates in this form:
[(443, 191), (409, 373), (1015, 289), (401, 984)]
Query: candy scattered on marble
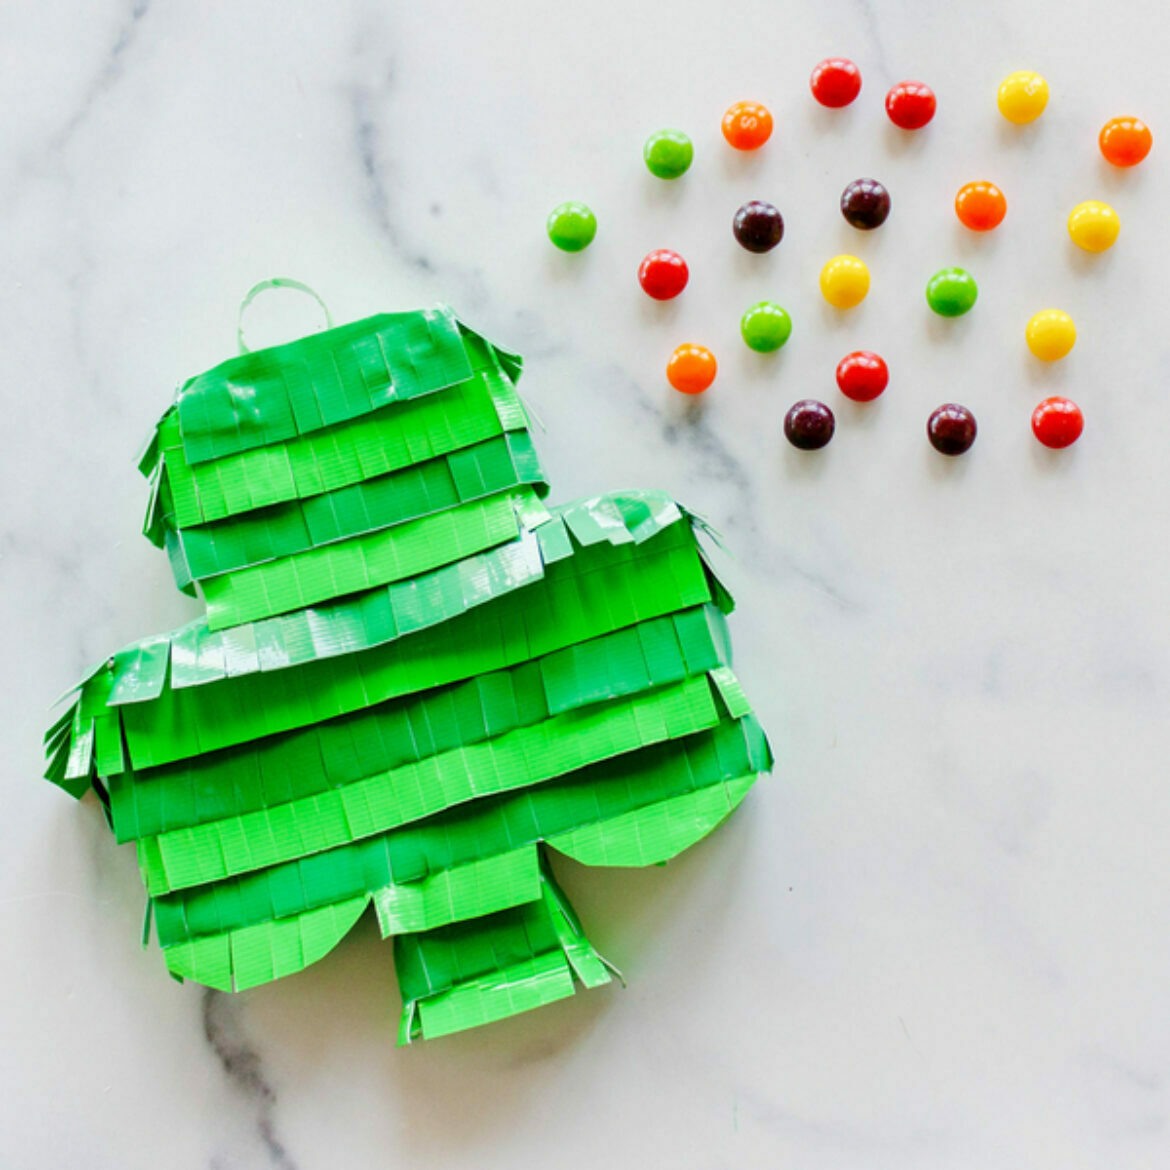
[(835, 82), (865, 204), (862, 375), (668, 154), (1022, 97), (571, 226), (758, 226), (1093, 225), (1050, 334), (951, 292), (765, 327), (844, 281), (951, 429), (663, 274), (809, 425), (747, 125), (1057, 423), (691, 369), (1125, 141), (910, 105), (980, 206)]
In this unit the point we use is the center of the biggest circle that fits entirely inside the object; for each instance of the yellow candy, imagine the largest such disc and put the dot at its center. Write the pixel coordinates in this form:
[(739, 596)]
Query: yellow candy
[(844, 282), (1022, 96), (1093, 226), (1051, 334)]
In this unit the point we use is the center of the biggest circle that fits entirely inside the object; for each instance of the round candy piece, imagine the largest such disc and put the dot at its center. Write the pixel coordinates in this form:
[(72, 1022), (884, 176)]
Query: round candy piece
[(809, 425), (758, 226), (835, 82), (572, 226), (1050, 334), (951, 292), (844, 282), (668, 154), (663, 274), (865, 203), (910, 105), (1125, 141), (951, 429), (980, 206), (862, 376), (765, 327), (691, 369), (1057, 422), (747, 125), (1093, 226), (1022, 96)]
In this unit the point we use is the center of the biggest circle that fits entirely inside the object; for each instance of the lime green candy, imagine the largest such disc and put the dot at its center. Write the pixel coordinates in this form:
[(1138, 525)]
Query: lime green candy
[(765, 327), (951, 292), (572, 226), (668, 154)]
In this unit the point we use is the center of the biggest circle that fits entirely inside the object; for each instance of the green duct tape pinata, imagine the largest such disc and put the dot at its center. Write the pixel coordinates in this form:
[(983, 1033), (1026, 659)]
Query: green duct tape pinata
[(413, 681)]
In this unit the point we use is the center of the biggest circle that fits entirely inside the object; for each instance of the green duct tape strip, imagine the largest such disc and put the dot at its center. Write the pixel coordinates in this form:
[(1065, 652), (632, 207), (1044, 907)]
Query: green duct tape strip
[(297, 764), (603, 792), (391, 555), (494, 466), (318, 381), (518, 759)]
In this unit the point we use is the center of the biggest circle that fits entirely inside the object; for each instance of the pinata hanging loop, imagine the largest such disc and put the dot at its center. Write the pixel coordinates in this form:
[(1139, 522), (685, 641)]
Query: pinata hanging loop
[(266, 286)]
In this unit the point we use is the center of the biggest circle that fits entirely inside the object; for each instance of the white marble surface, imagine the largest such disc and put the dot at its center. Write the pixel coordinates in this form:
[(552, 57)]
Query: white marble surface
[(938, 937)]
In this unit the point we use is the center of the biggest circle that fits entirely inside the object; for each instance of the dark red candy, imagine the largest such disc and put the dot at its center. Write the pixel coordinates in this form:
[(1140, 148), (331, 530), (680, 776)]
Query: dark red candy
[(951, 429), (663, 274), (862, 376), (758, 226), (835, 82), (809, 425), (865, 203)]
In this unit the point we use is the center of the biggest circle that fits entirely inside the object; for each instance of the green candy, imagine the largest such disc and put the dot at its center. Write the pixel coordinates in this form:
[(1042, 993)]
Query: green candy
[(668, 154), (765, 327), (572, 226), (951, 292)]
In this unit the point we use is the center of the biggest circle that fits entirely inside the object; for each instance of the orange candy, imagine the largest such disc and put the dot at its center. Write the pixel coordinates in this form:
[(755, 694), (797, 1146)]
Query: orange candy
[(980, 206), (747, 125), (691, 369), (1125, 141)]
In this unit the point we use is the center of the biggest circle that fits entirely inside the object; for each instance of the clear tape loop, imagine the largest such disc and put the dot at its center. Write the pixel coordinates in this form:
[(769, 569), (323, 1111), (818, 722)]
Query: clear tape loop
[(266, 286)]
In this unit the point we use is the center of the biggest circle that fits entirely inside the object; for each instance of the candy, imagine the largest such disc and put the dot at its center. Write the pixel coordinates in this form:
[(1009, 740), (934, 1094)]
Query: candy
[(1057, 422), (980, 206), (1050, 334), (691, 369), (663, 274), (668, 154), (1125, 141), (951, 292), (951, 429), (1022, 97), (747, 125), (835, 82), (844, 282), (765, 327), (1093, 226), (571, 226), (809, 425), (865, 203), (758, 226), (910, 105), (862, 376)]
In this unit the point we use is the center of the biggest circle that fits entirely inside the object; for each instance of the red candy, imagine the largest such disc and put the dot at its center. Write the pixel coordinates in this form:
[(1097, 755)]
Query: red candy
[(663, 274), (910, 105), (835, 82), (1057, 422), (862, 376)]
